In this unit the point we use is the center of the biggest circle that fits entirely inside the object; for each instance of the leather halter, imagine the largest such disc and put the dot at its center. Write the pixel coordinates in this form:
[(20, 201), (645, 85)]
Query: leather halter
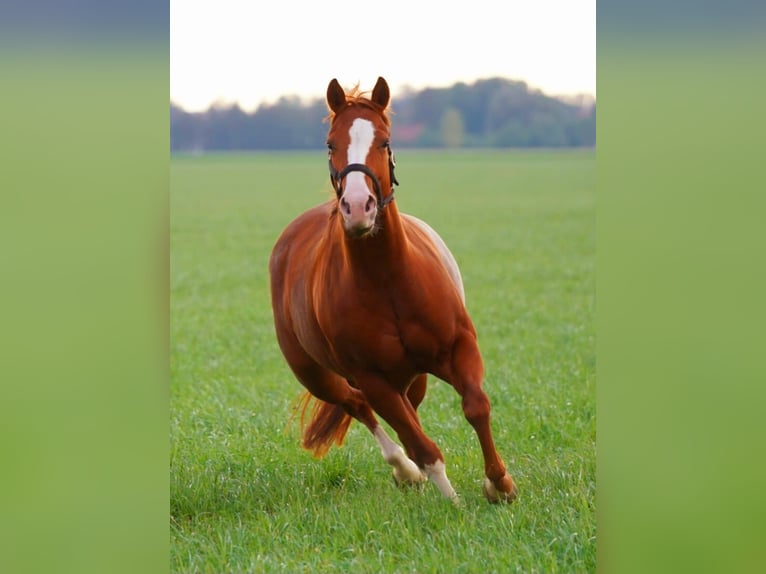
[(336, 178)]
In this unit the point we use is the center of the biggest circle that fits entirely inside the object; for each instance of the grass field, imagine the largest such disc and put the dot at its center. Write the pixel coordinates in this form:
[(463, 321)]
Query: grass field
[(244, 497)]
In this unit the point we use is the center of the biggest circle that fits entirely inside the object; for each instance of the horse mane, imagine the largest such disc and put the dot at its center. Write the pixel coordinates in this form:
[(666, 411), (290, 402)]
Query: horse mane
[(357, 97)]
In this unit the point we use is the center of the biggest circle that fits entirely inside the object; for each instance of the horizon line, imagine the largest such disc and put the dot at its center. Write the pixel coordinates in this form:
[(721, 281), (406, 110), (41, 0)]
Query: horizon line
[(403, 89)]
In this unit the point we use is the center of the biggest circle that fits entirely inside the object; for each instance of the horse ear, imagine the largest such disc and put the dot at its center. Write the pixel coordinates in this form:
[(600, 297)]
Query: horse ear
[(380, 93), (336, 97)]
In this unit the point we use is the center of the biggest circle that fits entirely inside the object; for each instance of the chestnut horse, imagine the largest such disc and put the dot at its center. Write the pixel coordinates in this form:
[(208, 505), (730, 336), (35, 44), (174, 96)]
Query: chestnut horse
[(367, 301)]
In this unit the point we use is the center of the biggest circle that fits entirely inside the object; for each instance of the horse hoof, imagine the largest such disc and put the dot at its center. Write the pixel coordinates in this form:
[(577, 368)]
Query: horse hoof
[(409, 479), (506, 493)]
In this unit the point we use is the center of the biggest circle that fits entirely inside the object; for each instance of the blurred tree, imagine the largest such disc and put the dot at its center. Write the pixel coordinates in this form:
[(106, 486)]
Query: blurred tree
[(452, 128), (490, 112)]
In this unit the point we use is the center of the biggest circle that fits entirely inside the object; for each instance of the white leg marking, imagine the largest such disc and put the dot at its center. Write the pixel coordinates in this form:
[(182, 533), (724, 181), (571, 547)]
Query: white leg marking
[(437, 474), (404, 469)]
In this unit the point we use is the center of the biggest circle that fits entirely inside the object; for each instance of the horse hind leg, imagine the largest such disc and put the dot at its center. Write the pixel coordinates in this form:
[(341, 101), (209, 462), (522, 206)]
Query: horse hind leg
[(327, 422), (335, 404)]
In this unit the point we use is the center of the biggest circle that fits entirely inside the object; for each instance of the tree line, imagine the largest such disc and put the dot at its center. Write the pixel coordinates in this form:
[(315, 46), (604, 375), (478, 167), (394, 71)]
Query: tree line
[(495, 112)]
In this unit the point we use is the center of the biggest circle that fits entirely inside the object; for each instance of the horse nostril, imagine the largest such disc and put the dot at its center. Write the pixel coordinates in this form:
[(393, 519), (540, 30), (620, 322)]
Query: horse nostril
[(370, 205), (345, 206)]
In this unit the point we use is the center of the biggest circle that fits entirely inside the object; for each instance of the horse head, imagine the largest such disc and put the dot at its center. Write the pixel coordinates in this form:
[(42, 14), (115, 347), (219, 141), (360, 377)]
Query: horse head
[(360, 158)]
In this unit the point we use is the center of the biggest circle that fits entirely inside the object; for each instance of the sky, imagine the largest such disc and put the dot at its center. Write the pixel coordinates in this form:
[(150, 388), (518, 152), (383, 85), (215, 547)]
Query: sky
[(255, 52)]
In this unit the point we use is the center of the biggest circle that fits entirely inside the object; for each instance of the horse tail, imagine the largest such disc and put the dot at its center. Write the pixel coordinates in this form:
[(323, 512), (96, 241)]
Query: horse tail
[(327, 424)]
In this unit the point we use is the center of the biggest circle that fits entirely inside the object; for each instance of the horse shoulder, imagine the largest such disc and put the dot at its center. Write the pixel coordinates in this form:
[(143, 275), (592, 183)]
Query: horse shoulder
[(293, 262), (447, 260), (430, 304)]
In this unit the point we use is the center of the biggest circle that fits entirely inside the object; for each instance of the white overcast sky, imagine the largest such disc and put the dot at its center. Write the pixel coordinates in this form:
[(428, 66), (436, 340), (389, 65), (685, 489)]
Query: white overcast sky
[(254, 52)]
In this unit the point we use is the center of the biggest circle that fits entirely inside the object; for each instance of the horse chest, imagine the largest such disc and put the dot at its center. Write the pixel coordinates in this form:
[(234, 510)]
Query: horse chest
[(384, 337)]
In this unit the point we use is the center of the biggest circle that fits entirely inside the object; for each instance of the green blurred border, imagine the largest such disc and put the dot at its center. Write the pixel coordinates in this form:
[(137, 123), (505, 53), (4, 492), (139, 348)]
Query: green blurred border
[(680, 281), (83, 253), (84, 301)]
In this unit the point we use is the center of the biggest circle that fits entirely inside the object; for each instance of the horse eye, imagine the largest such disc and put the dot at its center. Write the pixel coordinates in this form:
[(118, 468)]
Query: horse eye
[(330, 147)]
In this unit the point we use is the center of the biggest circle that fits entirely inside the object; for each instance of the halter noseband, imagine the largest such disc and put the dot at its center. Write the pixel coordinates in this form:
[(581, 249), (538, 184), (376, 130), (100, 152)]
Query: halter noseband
[(336, 178)]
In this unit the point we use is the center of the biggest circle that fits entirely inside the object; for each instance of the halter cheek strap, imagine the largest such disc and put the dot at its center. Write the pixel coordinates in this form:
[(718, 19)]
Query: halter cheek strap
[(336, 178)]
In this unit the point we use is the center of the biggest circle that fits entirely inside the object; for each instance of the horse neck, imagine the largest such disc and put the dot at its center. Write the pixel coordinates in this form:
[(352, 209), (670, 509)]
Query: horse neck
[(382, 252)]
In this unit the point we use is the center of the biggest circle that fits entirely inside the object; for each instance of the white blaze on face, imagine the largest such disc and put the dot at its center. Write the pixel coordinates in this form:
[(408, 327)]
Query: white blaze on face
[(361, 135)]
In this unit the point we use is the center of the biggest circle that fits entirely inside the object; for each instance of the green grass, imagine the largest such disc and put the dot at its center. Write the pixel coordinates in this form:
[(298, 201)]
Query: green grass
[(244, 497)]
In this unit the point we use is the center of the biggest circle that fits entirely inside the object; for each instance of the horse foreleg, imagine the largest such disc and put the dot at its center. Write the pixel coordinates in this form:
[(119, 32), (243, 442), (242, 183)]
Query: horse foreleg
[(398, 412), (498, 485), (417, 390), (412, 398), (405, 471), (467, 372)]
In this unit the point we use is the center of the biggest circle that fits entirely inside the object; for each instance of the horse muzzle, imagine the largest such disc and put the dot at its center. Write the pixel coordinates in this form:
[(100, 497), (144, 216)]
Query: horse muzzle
[(358, 207), (356, 202)]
